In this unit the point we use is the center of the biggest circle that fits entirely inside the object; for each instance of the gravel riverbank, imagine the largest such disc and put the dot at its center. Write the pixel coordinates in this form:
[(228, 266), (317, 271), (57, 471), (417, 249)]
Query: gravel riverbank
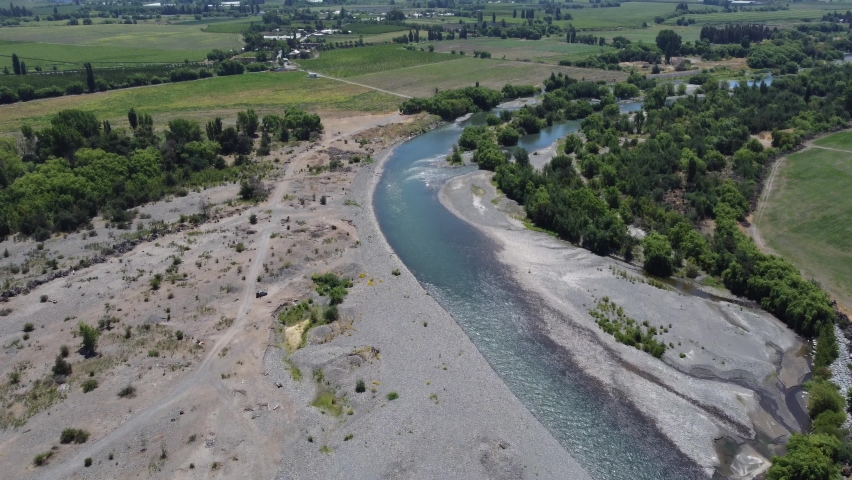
[(727, 368), (453, 418)]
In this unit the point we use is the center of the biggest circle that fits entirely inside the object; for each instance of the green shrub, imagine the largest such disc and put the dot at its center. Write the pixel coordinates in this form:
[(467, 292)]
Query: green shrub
[(89, 385), (75, 435), (392, 396), (127, 392), (360, 387), (28, 327)]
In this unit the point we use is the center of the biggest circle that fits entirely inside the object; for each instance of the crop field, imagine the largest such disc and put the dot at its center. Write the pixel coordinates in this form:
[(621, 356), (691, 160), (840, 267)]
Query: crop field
[(630, 14), (370, 29), (204, 99), (796, 14), (649, 35), (141, 36), (808, 217), (73, 56), (360, 61), (232, 26), (423, 80), (550, 50)]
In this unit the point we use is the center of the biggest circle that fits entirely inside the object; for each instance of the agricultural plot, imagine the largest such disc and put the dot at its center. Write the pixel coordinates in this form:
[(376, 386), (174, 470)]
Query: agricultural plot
[(64, 57), (141, 36), (363, 60), (550, 50), (627, 15), (423, 80), (231, 26), (796, 14), (808, 217), (370, 29), (649, 35), (204, 99)]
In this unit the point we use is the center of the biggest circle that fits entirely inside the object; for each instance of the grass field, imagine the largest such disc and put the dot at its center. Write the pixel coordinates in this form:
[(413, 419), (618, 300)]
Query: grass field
[(808, 217), (204, 99), (363, 60), (840, 141), (466, 71)]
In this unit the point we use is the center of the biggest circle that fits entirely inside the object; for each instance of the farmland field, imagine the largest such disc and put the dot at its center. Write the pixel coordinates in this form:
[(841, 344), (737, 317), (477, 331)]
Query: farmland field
[(423, 80), (360, 61), (808, 217), (369, 29), (545, 50), (796, 14), (203, 99), (231, 26), (140, 36), (73, 56)]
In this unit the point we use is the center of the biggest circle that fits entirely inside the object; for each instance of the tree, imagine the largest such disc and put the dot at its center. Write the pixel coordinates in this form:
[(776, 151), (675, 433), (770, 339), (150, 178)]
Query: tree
[(16, 64), (90, 338), (515, 13), (23, 68), (247, 122), (808, 457), (90, 78), (132, 118), (263, 149), (847, 99), (61, 367), (669, 42), (658, 255)]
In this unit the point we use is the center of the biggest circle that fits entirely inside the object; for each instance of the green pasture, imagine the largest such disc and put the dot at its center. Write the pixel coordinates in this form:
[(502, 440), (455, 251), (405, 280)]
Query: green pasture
[(421, 81), (203, 99), (350, 62), (808, 216), (840, 141)]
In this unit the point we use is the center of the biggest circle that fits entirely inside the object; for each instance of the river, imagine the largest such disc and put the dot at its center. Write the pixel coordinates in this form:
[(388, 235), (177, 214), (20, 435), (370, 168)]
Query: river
[(458, 266)]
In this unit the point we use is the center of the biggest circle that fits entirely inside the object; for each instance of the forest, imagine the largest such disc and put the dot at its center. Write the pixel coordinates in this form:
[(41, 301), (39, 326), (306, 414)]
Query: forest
[(78, 167)]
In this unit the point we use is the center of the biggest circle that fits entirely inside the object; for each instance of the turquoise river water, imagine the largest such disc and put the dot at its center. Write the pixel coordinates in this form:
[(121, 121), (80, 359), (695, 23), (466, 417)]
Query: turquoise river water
[(457, 265)]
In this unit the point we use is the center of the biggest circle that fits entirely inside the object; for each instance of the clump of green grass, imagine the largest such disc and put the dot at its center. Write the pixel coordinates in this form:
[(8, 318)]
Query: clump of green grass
[(42, 458), (612, 319), (360, 387), (392, 396), (327, 402)]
